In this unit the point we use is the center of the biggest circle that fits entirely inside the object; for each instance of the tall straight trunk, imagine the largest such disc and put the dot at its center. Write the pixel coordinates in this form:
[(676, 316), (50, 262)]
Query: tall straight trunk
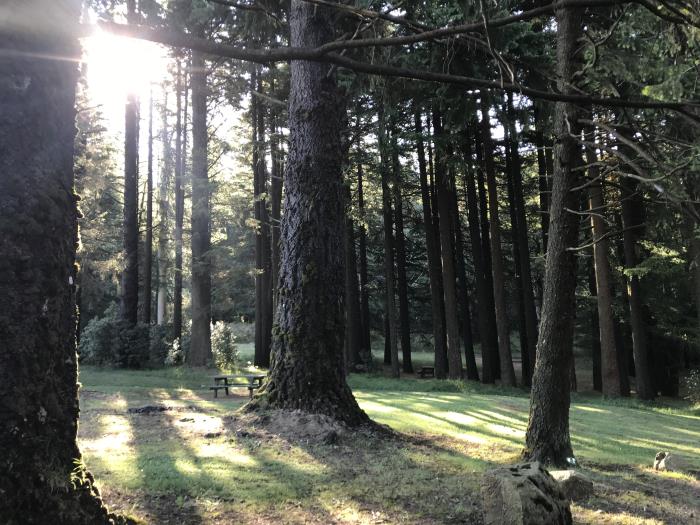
[(353, 325), (307, 370), (434, 265), (548, 439), (265, 235), (499, 296), (490, 307), (148, 251), (391, 334), (463, 291), (484, 294), (609, 370), (542, 174), (595, 328), (364, 291), (259, 355), (200, 344), (130, 273), (631, 226), (401, 281), (179, 207), (275, 203), (525, 273), (165, 176), (445, 192), (43, 477)]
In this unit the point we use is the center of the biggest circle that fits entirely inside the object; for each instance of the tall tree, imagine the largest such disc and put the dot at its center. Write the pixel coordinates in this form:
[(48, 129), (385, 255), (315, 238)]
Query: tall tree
[(353, 324), (307, 369), (148, 250), (43, 476), (433, 250), (200, 342), (130, 273), (401, 281), (502, 325), (179, 204), (166, 173), (445, 194), (364, 290), (548, 439)]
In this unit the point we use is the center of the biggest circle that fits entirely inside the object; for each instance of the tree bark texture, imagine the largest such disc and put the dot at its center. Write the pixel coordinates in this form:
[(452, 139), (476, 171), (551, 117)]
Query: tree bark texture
[(200, 343), (547, 438), (307, 370), (502, 324), (42, 477)]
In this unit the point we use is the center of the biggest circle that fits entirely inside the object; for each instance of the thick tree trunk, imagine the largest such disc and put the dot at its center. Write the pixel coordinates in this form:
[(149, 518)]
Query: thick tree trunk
[(445, 192), (631, 225), (401, 281), (364, 291), (43, 479), (525, 271), (434, 269), (610, 373), (490, 307), (165, 176), (307, 370), (148, 251), (391, 334), (200, 344), (502, 325), (483, 291), (547, 438), (179, 207)]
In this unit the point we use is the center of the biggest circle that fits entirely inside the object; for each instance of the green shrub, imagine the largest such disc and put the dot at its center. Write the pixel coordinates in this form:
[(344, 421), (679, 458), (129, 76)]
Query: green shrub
[(223, 345), (96, 339), (691, 386)]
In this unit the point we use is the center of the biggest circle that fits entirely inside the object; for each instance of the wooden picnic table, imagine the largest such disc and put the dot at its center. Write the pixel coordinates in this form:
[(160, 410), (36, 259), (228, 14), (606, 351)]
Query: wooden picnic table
[(224, 382)]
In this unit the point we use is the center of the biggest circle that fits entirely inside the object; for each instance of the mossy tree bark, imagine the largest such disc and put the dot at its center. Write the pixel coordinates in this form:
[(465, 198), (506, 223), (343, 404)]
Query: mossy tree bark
[(200, 345), (307, 369), (43, 479), (547, 438)]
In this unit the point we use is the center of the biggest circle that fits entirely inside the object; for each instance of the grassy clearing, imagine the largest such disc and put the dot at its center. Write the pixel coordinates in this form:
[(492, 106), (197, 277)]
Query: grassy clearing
[(190, 464)]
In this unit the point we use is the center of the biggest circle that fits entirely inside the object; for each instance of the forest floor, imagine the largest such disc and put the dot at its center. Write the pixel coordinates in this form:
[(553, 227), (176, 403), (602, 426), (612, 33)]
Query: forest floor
[(193, 463)]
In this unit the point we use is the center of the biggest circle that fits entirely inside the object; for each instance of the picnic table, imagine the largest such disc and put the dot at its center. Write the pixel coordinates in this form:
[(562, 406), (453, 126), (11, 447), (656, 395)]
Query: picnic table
[(426, 371), (224, 382)]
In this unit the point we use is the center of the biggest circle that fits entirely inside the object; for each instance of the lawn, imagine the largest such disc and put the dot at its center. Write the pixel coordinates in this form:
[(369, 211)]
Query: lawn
[(194, 463)]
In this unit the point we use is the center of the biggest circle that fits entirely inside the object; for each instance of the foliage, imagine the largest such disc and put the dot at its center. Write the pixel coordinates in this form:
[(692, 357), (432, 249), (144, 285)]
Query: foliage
[(223, 346), (691, 385)]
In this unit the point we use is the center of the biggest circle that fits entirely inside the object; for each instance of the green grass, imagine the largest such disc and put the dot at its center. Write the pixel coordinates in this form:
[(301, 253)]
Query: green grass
[(192, 465)]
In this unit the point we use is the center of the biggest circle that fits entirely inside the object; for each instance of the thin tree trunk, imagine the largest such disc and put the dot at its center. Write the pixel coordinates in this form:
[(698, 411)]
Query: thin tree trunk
[(200, 345), (387, 216), (148, 255), (364, 290), (265, 235), (165, 176), (445, 192), (434, 268), (502, 326), (43, 477), (353, 325), (484, 292), (548, 439), (401, 281), (542, 172), (610, 373), (275, 202), (307, 370), (179, 208)]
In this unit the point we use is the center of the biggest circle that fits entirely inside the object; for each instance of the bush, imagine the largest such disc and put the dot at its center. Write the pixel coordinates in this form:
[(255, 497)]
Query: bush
[(691, 386), (96, 339), (223, 345), (244, 332)]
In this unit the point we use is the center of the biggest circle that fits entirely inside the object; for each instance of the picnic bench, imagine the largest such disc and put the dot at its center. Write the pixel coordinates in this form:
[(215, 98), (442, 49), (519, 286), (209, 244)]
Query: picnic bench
[(224, 382), (426, 371)]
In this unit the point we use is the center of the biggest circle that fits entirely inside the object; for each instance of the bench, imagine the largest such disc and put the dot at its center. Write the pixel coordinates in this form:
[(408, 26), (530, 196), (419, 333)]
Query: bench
[(224, 382), (426, 371)]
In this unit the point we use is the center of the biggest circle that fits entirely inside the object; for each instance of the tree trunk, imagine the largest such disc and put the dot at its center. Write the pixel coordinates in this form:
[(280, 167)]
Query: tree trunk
[(525, 271), (353, 325), (502, 325), (200, 344), (445, 192), (275, 204), (484, 293), (148, 252), (434, 269), (542, 174), (364, 291), (165, 175), (43, 478), (266, 235), (547, 438), (307, 370), (595, 329), (179, 207), (610, 373), (387, 216), (401, 281)]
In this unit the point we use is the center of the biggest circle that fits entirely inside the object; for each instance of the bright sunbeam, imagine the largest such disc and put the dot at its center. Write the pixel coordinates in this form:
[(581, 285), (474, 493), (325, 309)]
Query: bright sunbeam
[(117, 66)]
